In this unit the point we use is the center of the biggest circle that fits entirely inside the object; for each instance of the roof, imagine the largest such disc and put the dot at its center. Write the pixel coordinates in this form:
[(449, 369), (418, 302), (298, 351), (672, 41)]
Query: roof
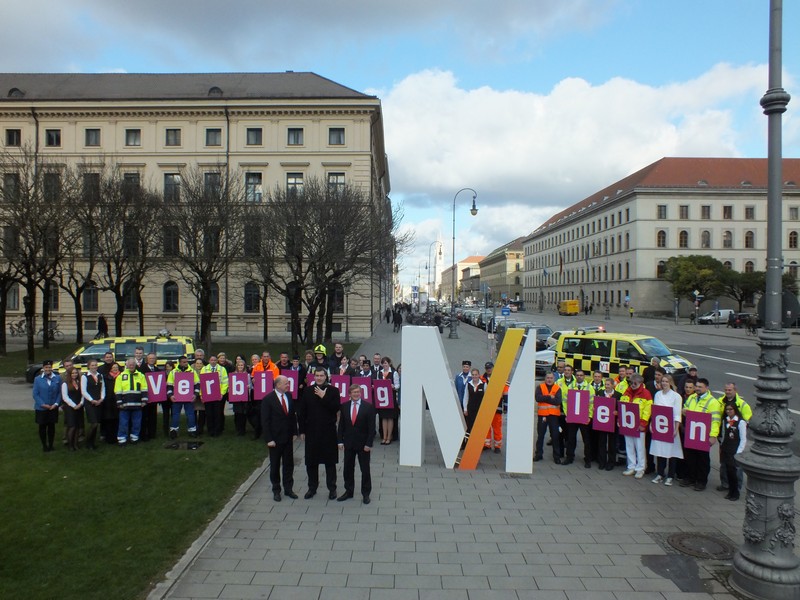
[(689, 173), (31, 87), (512, 246)]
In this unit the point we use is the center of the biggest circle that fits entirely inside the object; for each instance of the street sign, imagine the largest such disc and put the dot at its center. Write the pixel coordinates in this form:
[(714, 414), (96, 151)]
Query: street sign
[(505, 311)]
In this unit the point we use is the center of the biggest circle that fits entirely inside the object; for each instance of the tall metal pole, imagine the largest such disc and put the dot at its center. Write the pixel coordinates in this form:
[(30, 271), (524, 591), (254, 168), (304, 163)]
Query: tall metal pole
[(765, 565), (453, 325)]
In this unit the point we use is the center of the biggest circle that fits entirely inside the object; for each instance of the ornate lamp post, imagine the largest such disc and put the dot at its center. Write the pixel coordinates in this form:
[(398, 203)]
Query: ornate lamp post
[(473, 211), (765, 565), (428, 268)]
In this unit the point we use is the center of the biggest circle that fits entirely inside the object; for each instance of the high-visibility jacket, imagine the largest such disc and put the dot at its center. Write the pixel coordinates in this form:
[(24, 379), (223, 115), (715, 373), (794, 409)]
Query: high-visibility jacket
[(548, 406), (171, 379), (563, 384), (706, 404), (621, 387), (270, 367), (221, 373), (742, 406), (641, 397), (130, 390), (579, 386)]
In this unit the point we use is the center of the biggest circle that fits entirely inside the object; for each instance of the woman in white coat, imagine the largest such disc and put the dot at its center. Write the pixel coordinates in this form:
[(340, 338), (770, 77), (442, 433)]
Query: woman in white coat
[(667, 453)]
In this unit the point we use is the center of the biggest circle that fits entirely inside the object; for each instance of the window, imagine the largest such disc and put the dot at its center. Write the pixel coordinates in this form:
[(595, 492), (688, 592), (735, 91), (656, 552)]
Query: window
[(51, 186), (335, 182), (793, 213), (252, 240), (627, 215), (728, 265), (627, 241), (336, 136), (252, 187), (750, 213), (10, 241), (133, 137), (12, 297), (89, 242), (294, 183), (170, 297), (92, 137), (337, 298), (212, 185), (683, 239), (172, 187), (727, 239), (214, 297), (727, 212), (683, 212), (130, 241), (705, 212), (53, 290), (214, 137), (171, 240), (211, 239), (252, 298), (13, 137), (705, 239), (130, 185), (129, 300), (254, 136), (173, 137), (749, 267), (749, 239), (295, 136), (793, 239), (91, 188), (90, 297), (52, 138), (792, 269), (11, 186)]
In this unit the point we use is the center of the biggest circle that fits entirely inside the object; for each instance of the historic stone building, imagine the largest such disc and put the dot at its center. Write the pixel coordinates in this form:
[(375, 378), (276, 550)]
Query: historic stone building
[(501, 272), (269, 129), (610, 248)]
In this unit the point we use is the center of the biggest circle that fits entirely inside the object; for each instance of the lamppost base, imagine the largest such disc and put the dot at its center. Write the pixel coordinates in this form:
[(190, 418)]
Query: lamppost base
[(453, 334), (763, 582)]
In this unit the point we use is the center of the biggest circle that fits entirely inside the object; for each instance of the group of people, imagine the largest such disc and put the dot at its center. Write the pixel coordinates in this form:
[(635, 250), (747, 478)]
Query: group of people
[(114, 402)]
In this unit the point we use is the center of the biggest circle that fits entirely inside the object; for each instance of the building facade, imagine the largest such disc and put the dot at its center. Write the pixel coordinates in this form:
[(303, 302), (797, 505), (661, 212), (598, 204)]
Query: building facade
[(502, 272), (470, 263), (610, 249), (269, 129)]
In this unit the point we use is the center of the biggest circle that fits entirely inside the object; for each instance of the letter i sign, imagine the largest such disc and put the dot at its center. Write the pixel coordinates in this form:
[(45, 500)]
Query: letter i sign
[(578, 406)]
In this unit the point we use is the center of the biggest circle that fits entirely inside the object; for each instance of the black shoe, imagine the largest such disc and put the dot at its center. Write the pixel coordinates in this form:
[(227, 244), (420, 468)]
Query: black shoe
[(497, 450), (610, 467), (686, 483), (345, 496), (567, 461), (732, 497), (587, 464), (549, 442), (557, 460), (366, 500), (699, 487), (290, 494), (173, 434), (277, 496), (308, 495), (722, 488), (332, 495), (537, 458)]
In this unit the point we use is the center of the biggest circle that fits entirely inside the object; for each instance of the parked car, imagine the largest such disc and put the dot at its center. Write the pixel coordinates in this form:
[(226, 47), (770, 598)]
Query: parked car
[(714, 316), (553, 339), (545, 359), (740, 320)]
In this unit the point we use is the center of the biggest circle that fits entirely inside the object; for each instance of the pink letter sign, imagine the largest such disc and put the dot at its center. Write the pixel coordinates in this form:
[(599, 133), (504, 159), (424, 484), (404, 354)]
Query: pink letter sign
[(662, 427), (697, 430), (310, 378), (209, 387), (294, 381), (156, 386), (238, 387), (629, 419), (262, 384), (604, 408), (384, 398), (341, 383), (365, 383), (578, 406), (183, 386)]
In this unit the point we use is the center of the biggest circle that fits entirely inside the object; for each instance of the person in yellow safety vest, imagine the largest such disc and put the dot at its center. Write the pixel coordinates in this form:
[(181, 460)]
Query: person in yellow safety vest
[(564, 382), (636, 393), (548, 400), (598, 383), (579, 383), (191, 416), (623, 380), (130, 391), (698, 462), (215, 409), (731, 396)]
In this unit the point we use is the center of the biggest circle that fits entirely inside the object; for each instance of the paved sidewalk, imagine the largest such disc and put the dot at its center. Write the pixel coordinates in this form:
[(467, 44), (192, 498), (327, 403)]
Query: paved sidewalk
[(565, 532)]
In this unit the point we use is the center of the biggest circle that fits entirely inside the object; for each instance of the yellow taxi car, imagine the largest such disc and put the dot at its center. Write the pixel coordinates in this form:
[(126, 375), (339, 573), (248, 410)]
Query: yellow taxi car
[(605, 352), (166, 347)]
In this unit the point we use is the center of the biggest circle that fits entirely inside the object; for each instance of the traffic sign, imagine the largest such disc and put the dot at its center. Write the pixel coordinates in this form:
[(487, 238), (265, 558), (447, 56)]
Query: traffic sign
[(505, 311)]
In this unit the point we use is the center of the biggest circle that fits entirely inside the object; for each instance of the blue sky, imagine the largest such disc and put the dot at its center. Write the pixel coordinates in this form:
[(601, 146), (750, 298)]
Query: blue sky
[(533, 103)]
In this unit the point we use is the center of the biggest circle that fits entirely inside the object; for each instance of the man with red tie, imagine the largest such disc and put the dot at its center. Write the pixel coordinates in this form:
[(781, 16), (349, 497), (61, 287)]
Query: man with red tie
[(356, 434), (279, 426)]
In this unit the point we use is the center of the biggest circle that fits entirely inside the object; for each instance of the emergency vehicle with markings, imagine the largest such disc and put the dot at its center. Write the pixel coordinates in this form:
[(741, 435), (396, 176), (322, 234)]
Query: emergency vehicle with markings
[(605, 352), (166, 347)]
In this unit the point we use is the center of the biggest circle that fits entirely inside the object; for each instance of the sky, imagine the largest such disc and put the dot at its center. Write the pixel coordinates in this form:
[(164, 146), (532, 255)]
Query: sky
[(533, 104)]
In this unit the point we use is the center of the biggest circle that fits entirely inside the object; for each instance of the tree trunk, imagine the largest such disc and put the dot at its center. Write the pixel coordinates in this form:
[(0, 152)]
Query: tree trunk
[(29, 302), (140, 308), (76, 300), (321, 310), (329, 317), (265, 314), (46, 314), (119, 313), (3, 309)]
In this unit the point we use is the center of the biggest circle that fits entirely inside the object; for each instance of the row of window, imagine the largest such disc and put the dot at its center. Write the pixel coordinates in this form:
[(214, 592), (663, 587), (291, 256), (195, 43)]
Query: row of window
[(705, 239), (254, 136), (600, 224), (684, 214)]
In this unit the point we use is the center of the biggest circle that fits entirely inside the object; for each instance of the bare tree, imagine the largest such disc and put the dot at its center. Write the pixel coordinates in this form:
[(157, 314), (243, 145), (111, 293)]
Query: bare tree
[(206, 218)]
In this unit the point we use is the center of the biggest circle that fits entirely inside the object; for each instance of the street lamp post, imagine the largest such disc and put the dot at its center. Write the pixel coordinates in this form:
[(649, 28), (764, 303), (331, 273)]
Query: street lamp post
[(473, 211), (430, 247), (766, 565)]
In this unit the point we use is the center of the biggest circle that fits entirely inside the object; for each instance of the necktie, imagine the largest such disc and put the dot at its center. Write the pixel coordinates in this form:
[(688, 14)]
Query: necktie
[(284, 405), (354, 413)]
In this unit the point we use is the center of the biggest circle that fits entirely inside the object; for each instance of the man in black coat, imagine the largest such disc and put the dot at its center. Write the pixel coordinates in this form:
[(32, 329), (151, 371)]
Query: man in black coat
[(356, 434), (279, 427), (316, 418)]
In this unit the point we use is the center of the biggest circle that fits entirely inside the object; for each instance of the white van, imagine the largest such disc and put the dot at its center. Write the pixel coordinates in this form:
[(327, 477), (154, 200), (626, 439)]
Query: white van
[(721, 316)]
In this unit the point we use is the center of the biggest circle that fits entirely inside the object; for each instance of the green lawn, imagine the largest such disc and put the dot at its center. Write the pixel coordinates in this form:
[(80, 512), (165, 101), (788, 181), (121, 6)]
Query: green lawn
[(15, 363), (106, 523)]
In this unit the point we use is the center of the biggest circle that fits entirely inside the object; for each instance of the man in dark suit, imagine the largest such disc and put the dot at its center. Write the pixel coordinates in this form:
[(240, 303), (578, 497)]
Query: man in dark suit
[(356, 434), (279, 426), (317, 410)]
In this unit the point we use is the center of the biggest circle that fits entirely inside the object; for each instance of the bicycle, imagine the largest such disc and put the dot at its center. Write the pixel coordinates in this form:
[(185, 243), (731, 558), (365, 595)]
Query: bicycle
[(53, 333), (751, 330), (19, 329)]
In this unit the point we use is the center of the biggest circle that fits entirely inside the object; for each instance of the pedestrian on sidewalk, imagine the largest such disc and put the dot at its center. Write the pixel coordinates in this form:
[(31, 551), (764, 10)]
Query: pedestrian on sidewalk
[(279, 424), (356, 435), (317, 410)]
